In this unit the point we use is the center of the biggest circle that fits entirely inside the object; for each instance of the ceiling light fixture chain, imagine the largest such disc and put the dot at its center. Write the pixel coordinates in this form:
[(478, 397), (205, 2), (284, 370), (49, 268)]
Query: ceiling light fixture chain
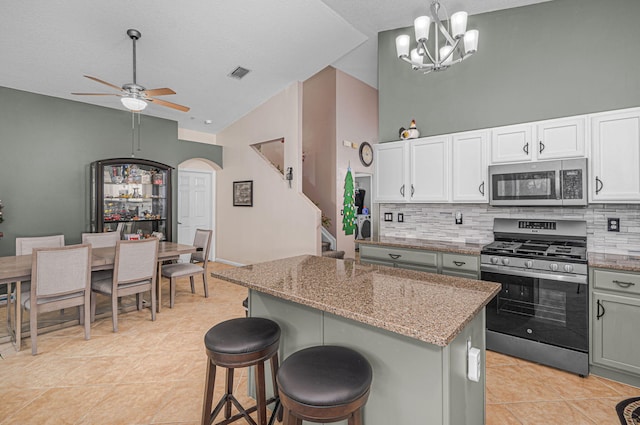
[(442, 57)]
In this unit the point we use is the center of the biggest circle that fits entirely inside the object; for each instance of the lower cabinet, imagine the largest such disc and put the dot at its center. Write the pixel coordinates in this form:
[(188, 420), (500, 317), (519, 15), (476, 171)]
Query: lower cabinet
[(615, 315), (423, 260)]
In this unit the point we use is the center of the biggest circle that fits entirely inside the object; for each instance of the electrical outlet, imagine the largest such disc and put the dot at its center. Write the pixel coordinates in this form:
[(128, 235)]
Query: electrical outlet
[(458, 217), (613, 224), (400, 217), (388, 216)]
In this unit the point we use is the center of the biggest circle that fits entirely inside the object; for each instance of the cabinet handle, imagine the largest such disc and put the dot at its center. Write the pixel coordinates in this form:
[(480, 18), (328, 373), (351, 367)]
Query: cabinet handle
[(412, 190), (541, 147), (525, 148), (459, 263), (402, 190), (481, 188), (395, 256), (598, 189), (623, 284), (600, 306)]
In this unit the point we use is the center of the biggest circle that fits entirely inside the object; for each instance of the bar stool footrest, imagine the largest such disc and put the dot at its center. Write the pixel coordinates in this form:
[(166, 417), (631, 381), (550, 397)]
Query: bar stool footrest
[(243, 413)]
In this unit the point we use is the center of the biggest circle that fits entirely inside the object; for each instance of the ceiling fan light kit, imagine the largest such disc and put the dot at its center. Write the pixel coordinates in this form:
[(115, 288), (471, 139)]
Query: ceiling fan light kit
[(442, 57), (133, 96)]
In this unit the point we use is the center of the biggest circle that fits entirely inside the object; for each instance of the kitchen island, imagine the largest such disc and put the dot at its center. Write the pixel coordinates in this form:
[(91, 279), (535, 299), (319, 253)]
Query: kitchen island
[(413, 327)]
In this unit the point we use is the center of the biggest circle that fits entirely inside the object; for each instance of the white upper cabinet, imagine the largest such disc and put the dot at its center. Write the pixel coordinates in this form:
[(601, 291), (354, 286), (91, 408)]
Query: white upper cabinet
[(512, 143), (430, 169), (561, 138), (615, 161), (391, 162), (469, 167)]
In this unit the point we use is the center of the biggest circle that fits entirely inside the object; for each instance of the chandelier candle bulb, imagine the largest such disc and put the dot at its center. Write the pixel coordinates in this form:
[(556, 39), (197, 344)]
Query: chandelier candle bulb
[(459, 24), (402, 45), (422, 25), (471, 41)]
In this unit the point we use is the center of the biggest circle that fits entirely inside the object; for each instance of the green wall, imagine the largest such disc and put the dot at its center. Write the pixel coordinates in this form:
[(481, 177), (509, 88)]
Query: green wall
[(554, 59), (46, 146)]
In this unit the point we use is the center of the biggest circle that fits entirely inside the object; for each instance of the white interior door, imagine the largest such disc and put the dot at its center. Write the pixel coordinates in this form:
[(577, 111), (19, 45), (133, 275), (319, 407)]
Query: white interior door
[(195, 206)]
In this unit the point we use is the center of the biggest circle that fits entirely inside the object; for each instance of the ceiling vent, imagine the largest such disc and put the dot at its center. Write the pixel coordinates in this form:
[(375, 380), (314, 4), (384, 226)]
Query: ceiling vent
[(239, 73)]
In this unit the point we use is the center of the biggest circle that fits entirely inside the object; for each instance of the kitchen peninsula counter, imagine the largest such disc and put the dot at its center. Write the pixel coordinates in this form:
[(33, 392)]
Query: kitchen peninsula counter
[(426, 244), (414, 328)]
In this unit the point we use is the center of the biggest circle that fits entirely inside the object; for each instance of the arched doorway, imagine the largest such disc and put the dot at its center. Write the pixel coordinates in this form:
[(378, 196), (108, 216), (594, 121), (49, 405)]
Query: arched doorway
[(196, 200)]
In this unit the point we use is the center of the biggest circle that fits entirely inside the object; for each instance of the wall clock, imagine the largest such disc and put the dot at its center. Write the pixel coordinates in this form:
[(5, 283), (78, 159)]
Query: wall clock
[(366, 154)]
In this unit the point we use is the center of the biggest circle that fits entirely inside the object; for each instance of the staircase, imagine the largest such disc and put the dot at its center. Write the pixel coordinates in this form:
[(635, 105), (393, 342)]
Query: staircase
[(328, 252)]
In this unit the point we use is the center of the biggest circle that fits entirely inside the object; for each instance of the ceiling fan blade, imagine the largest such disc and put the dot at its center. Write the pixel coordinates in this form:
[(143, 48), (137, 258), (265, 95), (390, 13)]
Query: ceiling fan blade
[(96, 94), (169, 104), (98, 80), (158, 92)]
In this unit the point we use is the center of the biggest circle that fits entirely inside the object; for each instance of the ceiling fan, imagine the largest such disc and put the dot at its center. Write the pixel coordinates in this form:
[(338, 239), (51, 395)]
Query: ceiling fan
[(132, 95)]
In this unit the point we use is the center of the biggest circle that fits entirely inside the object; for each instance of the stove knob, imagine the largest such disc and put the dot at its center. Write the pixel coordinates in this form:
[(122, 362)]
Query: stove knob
[(528, 264), (568, 268), (553, 267), (505, 261), (494, 260)]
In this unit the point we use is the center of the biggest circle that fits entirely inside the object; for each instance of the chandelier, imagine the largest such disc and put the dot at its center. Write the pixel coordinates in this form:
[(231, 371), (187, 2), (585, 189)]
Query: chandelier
[(440, 58)]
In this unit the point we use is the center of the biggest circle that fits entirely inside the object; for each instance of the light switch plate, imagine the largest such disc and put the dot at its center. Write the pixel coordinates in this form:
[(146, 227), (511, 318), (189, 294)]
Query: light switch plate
[(400, 217), (388, 216)]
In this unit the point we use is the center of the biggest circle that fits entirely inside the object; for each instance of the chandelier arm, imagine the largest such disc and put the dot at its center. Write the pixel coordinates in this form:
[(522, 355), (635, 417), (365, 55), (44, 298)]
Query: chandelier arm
[(451, 52), (436, 18), (416, 65), (426, 50)]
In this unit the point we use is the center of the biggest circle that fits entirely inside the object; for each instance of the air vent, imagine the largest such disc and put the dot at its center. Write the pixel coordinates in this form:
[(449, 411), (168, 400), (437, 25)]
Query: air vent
[(239, 73)]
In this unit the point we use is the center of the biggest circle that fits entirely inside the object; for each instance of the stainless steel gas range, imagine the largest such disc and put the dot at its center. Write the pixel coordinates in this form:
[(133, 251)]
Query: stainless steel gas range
[(541, 313)]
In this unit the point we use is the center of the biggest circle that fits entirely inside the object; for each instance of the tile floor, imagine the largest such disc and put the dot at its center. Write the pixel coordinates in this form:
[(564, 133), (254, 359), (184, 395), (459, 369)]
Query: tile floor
[(153, 373)]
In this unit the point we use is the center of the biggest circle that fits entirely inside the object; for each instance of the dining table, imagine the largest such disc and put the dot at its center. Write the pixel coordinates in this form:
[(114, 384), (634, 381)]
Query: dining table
[(16, 269)]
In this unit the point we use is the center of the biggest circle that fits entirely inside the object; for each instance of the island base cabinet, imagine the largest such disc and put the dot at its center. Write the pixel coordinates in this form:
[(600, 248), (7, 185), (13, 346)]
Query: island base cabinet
[(413, 382), (615, 342)]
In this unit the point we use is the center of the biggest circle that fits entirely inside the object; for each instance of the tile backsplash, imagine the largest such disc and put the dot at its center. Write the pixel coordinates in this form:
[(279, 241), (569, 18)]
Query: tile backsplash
[(437, 222)]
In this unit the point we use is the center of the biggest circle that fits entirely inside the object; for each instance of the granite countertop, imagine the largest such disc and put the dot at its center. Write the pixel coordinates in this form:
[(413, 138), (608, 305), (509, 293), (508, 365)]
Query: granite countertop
[(429, 307), (629, 263), (432, 245)]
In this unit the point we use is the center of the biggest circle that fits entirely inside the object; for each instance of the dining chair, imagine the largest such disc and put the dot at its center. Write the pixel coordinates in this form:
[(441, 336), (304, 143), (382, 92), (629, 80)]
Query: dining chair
[(60, 278), (197, 265), (101, 240), (134, 272), (24, 246)]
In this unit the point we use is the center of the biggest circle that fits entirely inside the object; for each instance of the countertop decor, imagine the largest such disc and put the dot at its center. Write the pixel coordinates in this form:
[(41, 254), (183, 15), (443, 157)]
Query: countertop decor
[(428, 307)]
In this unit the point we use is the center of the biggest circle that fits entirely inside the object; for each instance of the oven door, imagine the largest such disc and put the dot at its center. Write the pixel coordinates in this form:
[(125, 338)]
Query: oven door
[(542, 307)]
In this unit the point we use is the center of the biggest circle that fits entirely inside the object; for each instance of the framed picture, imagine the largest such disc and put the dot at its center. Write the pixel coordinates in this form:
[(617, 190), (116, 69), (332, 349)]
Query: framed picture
[(243, 193)]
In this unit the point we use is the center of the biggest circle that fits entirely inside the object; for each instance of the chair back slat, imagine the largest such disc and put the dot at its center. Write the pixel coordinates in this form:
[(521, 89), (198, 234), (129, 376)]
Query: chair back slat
[(136, 260), (25, 246), (101, 240), (59, 271), (202, 241)]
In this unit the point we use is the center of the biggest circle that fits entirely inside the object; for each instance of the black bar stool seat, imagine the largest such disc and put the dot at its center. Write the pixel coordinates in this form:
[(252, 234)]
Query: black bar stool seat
[(235, 343), (324, 384)]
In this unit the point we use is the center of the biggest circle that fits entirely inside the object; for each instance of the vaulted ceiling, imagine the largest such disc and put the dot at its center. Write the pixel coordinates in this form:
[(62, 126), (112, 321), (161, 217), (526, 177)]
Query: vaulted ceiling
[(192, 45)]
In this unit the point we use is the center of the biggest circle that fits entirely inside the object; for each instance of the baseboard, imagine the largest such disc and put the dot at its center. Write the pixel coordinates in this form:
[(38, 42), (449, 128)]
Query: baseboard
[(229, 262)]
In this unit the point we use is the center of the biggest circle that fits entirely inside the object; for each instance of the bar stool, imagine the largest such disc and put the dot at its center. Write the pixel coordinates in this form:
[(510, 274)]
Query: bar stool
[(242, 342), (324, 384)]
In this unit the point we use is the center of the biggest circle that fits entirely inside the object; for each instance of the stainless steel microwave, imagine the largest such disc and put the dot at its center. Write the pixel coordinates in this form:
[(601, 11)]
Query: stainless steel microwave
[(554, 183)]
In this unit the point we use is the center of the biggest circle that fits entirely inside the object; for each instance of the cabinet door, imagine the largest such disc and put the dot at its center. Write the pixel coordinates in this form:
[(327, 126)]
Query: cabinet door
[(429, 170), (391, 161), (469, 177), (563, 138), (615, 163), (511, 144), (615, 342)]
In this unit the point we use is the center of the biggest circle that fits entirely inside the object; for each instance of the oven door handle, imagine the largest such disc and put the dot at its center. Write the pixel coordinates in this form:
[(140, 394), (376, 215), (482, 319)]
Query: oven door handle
[(534, 274)]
